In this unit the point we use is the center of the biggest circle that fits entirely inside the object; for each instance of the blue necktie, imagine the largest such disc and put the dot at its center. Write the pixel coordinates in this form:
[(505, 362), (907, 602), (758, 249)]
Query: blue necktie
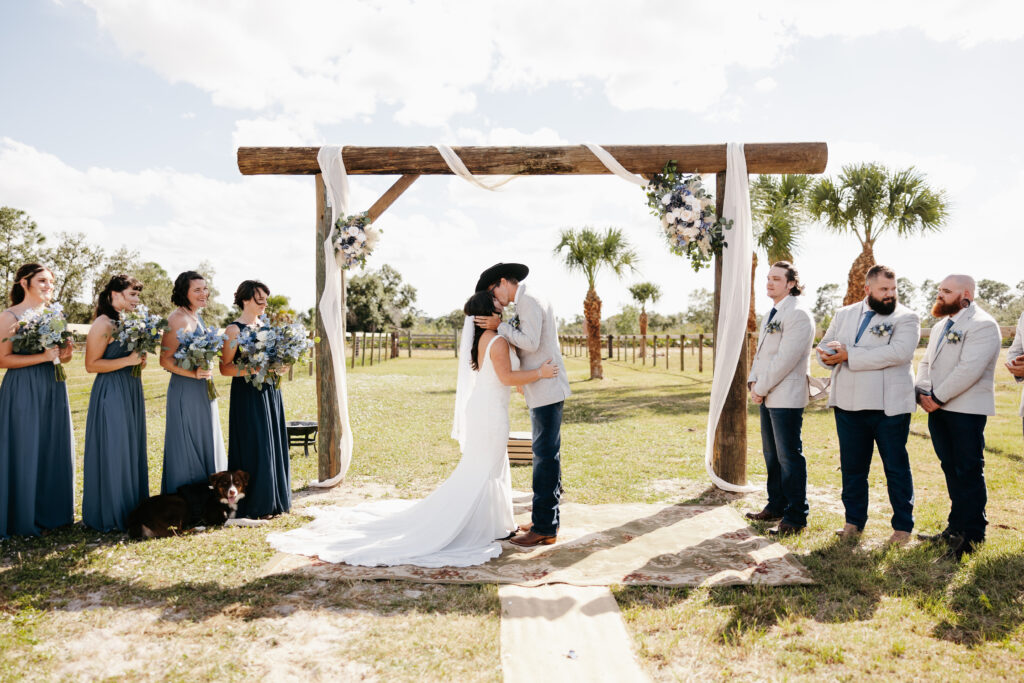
[(864, 325), (771, 314), (945, 331)]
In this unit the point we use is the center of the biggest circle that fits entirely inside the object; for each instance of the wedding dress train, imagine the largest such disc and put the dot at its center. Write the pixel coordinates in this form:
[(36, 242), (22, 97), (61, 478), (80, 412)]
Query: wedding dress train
[(455, 526)]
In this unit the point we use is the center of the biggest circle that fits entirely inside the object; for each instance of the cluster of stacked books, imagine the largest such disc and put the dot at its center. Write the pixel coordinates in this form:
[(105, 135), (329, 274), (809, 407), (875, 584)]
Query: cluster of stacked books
[(520, 448)]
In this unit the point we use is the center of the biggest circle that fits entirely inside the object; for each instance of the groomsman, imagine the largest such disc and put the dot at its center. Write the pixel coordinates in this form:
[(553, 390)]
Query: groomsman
[(778, 383), (956, 386), (870, 346), (1015, 359)]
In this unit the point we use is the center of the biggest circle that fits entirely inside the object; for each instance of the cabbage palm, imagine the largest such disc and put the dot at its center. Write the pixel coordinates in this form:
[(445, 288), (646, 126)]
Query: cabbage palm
[(869, 200), (642, 292), (587, 251)]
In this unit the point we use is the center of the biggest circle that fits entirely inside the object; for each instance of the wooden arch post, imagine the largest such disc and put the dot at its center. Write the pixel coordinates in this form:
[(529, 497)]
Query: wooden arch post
[(730, 454)]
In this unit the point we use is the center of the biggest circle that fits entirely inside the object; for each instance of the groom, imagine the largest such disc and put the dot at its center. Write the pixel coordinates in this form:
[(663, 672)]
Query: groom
[(532, 332)]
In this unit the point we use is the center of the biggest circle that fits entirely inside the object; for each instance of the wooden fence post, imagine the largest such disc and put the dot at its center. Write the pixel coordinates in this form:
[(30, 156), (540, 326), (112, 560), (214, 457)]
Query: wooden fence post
[(682, 355), (700, 353), (668, 347), (610, 347)]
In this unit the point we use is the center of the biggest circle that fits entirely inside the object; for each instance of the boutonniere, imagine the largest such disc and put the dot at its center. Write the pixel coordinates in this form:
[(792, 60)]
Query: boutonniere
[(513, 315), (773, 327), (954, 337), (882, 330)]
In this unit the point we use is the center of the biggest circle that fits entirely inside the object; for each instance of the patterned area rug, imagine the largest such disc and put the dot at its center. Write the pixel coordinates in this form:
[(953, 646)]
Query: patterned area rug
[(602, 545)]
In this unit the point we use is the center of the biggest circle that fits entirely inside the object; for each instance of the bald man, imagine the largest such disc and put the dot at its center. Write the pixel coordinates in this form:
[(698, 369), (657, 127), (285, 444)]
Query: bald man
[(956, 387)]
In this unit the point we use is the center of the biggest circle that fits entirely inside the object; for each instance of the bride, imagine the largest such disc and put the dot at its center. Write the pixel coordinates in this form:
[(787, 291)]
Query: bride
[(462, 521)]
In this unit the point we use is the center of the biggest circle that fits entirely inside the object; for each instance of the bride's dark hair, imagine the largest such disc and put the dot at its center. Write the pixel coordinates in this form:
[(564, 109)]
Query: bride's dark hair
[(481, 303)]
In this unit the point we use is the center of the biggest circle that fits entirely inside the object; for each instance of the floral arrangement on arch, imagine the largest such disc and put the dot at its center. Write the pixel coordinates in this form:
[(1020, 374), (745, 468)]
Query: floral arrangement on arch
[(354, 239), (687, 214)]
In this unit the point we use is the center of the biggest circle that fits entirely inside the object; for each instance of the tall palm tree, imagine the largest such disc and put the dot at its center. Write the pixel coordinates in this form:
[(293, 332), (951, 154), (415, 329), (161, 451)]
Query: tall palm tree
[(587, 251), (869, 200), (642, 292), (778, 206)]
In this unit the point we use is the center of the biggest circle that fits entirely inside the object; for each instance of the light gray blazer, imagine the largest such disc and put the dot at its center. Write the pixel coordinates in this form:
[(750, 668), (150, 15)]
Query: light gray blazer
[(878, 375), (1017, 349), (536, 341), (779, 371), (962, 374)]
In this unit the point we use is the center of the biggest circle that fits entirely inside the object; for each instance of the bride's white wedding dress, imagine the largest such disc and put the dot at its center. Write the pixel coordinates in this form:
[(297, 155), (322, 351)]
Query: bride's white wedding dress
[(455, 526)]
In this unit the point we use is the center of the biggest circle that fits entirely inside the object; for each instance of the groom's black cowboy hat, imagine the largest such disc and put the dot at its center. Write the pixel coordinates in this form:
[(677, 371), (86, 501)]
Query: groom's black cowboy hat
[(509, 271)]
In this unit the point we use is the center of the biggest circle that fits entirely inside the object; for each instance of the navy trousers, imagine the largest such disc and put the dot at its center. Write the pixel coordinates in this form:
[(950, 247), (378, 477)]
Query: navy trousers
[(959, 441), (547, 467), (784, 459), (859, 431)]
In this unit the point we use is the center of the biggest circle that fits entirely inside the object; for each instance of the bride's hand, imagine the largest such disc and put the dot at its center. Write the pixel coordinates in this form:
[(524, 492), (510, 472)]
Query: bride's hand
[(549, 369)]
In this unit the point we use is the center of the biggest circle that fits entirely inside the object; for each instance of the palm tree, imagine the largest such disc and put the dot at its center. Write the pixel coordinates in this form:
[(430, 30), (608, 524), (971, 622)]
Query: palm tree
[(643, 292), (869, 200), (587, 251), (778, 209)]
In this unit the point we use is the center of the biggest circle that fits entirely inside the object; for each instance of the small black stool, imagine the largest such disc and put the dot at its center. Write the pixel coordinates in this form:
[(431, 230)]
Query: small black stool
[(301, 433)]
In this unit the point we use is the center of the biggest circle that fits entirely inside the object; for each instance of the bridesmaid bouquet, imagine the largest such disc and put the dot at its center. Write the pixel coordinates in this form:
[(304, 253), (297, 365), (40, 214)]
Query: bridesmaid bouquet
[(197, 349), (139, 330), (263, 349), (42, 329)]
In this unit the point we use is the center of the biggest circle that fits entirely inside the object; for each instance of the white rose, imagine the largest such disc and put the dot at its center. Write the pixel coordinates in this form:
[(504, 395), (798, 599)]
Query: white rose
[(353, 231), (666, 199), (689, 233)]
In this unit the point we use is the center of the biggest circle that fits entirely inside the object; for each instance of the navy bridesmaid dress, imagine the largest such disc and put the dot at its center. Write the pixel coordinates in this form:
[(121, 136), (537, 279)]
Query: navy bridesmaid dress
[(37, 471), (116, 476), (192, 436), (258, 444)]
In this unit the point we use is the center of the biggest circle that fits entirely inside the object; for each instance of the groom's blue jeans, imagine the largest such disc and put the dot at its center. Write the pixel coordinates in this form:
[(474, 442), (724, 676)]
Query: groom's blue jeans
[(784, 460), (547, 467)]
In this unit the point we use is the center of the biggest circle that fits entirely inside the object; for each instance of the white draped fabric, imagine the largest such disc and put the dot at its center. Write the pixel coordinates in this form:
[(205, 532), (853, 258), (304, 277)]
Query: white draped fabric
[(613, 165), (464, 383), (731, 334), (459, 169), (332, 167)]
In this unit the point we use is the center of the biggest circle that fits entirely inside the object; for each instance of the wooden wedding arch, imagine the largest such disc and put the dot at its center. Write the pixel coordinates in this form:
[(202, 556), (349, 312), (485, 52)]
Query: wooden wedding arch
[(730, 454)]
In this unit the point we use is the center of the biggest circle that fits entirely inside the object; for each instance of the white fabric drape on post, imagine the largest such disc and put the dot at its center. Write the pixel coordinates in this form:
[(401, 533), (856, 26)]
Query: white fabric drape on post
[(734, 300), (332, 167), (459, 169), (613, 165)]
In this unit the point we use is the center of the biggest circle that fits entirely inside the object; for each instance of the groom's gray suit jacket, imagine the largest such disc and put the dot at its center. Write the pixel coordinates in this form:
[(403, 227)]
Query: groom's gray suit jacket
[(536, 341), (1017, 349)]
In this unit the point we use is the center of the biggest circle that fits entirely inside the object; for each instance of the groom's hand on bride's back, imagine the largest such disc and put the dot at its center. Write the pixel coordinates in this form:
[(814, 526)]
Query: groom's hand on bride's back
[(488, 322), (548, 369)]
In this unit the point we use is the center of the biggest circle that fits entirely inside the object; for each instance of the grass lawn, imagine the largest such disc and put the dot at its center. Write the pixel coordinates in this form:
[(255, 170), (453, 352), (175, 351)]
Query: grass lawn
[(78, 604)]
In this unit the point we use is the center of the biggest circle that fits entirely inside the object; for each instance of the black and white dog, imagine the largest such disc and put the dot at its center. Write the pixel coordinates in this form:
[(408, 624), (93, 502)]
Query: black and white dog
[(194, 506)]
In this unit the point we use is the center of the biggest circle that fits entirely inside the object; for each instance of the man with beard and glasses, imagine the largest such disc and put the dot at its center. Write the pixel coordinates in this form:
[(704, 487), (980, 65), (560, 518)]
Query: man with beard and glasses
[(956, 387), (869, 346)]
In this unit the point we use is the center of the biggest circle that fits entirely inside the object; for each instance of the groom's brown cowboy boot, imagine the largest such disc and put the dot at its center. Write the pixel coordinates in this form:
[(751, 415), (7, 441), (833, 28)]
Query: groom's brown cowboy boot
[(530, 539)]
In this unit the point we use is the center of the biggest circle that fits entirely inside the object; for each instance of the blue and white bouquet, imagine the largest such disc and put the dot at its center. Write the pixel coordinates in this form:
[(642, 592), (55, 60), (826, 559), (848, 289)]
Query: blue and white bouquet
[(354, 239), (40, 329), (263, 349), (140, 330), (687, 214), (197, 349)]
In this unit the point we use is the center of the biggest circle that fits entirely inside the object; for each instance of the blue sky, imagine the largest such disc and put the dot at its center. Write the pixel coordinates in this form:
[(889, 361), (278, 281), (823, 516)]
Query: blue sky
[(122, 120)]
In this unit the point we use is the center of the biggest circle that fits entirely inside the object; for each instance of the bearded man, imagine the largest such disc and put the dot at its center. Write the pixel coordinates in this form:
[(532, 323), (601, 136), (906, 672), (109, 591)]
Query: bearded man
[(956, 387), (870, 347)]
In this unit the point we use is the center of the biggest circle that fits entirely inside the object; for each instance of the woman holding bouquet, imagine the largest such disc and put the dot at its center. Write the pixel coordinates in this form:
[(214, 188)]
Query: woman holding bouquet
[(116, 476), (36, 447), (257, 437), (193, 445)]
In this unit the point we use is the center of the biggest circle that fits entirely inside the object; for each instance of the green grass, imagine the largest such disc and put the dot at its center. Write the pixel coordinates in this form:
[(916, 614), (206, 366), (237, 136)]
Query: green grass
[(79, 604)]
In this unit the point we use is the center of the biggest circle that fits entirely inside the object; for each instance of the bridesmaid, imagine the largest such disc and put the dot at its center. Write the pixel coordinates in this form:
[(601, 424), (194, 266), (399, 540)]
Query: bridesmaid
[(193, 446), (257, 439), (36, 444), (116, 473)]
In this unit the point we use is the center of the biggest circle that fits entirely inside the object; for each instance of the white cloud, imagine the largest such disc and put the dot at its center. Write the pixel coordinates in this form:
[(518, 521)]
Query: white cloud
[(766, 84)]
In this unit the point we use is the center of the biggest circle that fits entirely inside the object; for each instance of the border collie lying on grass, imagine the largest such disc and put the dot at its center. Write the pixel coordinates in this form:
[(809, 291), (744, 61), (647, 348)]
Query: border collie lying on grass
[(194, 506)]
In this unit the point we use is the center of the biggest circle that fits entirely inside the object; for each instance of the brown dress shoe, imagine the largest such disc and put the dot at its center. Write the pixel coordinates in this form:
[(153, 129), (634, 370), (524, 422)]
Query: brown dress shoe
[(531, 539), (765, 515), (785, 529)]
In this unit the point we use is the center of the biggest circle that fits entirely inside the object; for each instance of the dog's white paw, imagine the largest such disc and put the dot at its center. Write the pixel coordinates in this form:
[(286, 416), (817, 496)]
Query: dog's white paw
[(245, 521), (199, 528)]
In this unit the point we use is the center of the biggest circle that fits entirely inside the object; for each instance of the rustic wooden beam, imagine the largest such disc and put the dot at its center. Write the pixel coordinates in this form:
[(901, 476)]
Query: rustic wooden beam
[(772, 157), (729, 459), (389, 197), (328, 419)]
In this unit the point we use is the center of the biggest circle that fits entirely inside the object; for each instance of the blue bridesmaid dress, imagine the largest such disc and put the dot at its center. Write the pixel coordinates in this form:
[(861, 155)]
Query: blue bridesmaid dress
[(191, 437), (116, 471), (37, 471), (258, 444)]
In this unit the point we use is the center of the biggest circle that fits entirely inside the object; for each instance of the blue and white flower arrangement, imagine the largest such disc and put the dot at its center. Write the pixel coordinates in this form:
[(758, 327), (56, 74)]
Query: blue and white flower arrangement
[(687, 214), (954, 337), (140, 330), (881, 330), (198, 349), (263, 349), (512, 315), (354, 239), (40, 329), (773, 327)]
